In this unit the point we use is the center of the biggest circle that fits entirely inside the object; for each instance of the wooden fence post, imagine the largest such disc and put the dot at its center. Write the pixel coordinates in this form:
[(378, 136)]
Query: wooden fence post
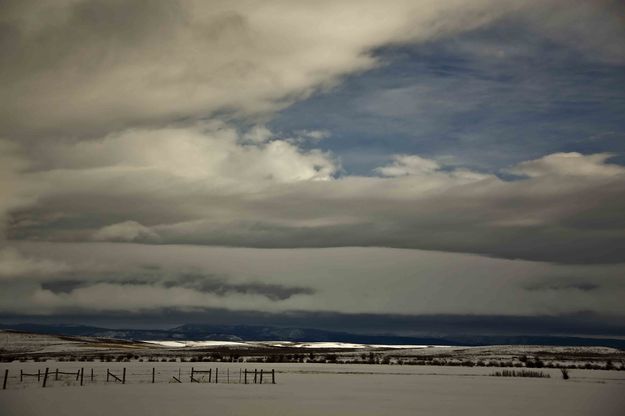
[(216, 375), (77, 375), (273, 376), (261, 376), (124, 376), (45, 377), (92, 375), (107, 375), (153, 371), (21, 376), (38, 375), (210, 375), (6, 376), (56, 375), (240, 371), (255, 374), (246, 376), (192, 372), (82, 374)]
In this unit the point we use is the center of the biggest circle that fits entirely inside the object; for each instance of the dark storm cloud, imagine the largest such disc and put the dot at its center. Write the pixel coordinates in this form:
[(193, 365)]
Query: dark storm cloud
[(110, 277), (201, 283), (221, 287), (583, 286), (62, 286), (576, 324), (68, 286)]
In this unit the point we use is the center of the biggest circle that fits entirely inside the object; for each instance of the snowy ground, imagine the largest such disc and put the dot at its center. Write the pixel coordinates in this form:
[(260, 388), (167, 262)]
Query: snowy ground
[(36, 347), (285, 344), (301, 388), (312, 389)]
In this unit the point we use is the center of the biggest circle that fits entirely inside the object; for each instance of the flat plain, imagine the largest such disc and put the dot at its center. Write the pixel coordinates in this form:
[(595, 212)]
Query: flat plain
[(345, 387), (313, 389)]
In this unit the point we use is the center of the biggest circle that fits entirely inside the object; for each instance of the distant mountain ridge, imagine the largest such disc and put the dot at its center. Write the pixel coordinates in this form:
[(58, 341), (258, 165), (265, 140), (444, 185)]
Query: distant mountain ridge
[(196, 332)]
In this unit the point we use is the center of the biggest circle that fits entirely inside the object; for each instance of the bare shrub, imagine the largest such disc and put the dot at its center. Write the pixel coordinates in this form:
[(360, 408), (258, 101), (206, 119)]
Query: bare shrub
[(520, 373)]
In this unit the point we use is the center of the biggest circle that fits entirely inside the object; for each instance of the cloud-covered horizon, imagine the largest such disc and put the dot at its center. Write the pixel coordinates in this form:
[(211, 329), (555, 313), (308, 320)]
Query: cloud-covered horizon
[(405, 157), (111, 278)]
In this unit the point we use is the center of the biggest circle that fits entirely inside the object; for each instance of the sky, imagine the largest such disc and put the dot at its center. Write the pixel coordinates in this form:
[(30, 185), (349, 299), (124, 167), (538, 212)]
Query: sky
[(400, 167)]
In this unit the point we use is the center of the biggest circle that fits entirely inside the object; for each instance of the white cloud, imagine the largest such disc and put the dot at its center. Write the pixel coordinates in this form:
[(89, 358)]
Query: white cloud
[(258, 134), (213, 153), (417, 166), (404, 165), (569, 164), (313, 135), (125, 231)]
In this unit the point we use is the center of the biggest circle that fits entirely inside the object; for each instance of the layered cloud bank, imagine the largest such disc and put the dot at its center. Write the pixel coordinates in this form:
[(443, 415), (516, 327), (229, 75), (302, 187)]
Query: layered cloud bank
[(112, 278), (137, 171), (210, 185)]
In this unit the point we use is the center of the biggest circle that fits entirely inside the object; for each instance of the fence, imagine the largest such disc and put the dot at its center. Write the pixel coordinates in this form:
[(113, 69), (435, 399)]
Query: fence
[(242, 375), (48, 377)]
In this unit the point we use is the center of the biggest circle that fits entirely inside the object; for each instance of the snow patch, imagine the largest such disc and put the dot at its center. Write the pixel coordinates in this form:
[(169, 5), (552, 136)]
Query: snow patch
[(182, 344)]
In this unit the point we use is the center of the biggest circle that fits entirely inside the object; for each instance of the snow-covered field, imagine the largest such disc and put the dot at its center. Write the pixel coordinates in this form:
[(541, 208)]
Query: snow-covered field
[(347, 386), (312, 389), (285, 344), (28, 347)]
